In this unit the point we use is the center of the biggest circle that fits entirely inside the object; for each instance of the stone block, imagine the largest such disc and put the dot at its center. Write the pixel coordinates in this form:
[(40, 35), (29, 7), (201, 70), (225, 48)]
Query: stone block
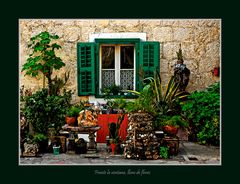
[(213, 50), (164, 65), (167, 50), (72, 33), (188, 23), (163, 34), (183, 34), (201, 35), (170, 22)]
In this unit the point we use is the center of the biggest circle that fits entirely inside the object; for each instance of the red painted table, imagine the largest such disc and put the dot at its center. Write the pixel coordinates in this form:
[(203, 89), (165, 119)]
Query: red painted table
[(104, 119)]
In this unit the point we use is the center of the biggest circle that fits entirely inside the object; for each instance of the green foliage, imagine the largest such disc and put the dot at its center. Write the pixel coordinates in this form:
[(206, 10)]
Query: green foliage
[(120, 103), (44, 111), (156, 100), (43, 58), (163, 151), (175, 120), (117, 104), (209, 133), (73, 111), (165, 99), (38, 138), (144, 102), (112, 90), (202, 110)]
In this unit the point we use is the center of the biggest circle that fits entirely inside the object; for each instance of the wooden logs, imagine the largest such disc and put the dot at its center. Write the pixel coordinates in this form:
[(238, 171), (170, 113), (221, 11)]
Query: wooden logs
[(141, 142)]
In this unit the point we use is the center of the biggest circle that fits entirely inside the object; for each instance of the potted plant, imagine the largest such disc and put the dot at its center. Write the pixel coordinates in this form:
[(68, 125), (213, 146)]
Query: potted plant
[(113, 143), (171, 124), (114, 137), (71, 115), (42, 141), (112, 90)]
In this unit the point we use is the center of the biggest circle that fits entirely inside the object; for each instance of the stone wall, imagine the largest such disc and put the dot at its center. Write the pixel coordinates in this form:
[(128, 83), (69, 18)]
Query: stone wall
[(200, 40)]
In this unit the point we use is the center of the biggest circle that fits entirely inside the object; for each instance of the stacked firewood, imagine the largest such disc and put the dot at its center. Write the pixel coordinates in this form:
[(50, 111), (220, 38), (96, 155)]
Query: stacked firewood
[(141, 142)]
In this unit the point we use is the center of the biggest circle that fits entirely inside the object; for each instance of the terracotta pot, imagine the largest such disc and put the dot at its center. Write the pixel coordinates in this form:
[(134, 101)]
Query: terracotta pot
[(172, 130), (70, 120)]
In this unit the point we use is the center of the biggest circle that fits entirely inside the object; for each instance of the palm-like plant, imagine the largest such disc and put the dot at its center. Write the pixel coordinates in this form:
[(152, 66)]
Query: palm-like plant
[(162, 100)]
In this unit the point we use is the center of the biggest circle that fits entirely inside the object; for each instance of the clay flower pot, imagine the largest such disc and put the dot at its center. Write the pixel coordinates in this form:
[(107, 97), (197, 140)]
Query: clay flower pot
[(172, 130), (70, 120)]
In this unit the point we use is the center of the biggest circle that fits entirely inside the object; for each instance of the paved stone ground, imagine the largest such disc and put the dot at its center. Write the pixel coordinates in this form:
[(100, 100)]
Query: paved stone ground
[(189, 154)]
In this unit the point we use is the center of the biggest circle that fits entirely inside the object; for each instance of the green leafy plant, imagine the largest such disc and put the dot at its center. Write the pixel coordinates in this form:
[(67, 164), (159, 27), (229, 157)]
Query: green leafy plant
[(41, 140), (163, 151), (164, 99), (202, 111), (156, 100), (176, 120), (120, 104), (73, 111), (39, 137), (112, 90), (43, 58), (144, 102), (43, 111), (209, 133)]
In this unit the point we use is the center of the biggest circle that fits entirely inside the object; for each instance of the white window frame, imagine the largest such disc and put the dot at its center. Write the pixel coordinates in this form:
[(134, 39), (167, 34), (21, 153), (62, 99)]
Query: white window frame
[(117, 64)]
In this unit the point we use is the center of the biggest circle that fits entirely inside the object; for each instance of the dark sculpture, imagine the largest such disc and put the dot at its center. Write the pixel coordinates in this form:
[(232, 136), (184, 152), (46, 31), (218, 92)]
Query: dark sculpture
[(181, 72)]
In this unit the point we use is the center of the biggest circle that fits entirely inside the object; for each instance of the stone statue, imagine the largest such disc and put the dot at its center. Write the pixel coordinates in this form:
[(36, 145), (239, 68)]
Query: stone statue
[(181, 72)]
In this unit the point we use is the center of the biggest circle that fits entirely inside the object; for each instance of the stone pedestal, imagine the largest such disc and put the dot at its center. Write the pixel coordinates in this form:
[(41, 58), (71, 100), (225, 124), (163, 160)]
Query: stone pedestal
[(92, 145)]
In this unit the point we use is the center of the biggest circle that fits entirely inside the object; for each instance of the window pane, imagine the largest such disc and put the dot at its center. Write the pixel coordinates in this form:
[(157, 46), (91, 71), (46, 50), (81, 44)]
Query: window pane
[(127, 57), (108, 55), (127, 79), (108, 78)]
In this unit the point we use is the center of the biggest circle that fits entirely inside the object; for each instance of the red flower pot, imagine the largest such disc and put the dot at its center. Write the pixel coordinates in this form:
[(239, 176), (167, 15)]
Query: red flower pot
[(172, 130), (70, 120)]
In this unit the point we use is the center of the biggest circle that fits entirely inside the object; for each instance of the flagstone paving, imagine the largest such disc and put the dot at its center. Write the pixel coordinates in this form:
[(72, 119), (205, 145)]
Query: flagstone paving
[(189, 154)]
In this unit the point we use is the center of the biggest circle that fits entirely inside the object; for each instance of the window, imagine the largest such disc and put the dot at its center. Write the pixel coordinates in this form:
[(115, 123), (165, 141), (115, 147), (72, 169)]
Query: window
[(117, 66), (122, 62)]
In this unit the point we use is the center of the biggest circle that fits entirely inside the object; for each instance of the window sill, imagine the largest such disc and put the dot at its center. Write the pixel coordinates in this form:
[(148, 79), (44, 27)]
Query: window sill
[(128, 96)]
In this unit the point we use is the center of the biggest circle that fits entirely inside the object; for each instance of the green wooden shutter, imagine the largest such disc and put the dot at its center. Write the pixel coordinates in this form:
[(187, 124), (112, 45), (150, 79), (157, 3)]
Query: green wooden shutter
[(149, 60), (86, 68)]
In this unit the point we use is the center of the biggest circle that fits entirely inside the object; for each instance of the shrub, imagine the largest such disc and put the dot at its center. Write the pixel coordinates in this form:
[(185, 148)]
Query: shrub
[(202, 110), (43, 111)]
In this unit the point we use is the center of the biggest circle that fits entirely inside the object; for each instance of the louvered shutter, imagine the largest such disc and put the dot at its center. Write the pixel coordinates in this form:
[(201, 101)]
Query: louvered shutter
[(149, 60), (86, 68)]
